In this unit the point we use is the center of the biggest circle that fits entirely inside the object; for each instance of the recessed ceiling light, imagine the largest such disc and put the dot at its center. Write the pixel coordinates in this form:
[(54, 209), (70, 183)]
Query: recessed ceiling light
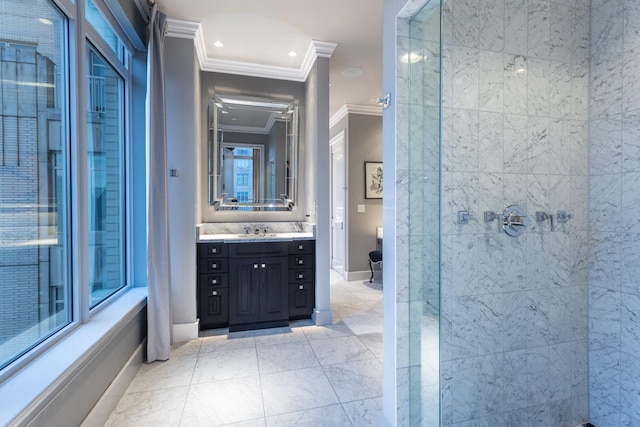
[(292, 54), (410, 57), (521, 70), (352, 72), (218, 43), (45, 21)]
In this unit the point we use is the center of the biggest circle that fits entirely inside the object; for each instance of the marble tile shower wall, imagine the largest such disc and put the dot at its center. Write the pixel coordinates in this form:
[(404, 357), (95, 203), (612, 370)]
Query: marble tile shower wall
[(614, 274), (514, 131)]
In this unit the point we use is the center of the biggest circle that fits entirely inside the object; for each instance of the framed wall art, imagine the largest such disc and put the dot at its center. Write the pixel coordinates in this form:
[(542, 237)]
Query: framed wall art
[(373, 180)]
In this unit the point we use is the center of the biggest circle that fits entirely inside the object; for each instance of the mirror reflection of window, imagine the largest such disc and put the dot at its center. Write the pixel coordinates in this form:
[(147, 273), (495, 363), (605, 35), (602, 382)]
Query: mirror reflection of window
[(243, 178)]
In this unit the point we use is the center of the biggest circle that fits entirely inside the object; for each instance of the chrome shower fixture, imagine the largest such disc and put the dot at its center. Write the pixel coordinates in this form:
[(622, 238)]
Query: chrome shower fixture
[(515, 220)]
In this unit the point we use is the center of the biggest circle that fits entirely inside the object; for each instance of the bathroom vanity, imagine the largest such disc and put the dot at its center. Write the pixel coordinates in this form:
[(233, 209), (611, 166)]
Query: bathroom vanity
[(254, 280), (253, 274)]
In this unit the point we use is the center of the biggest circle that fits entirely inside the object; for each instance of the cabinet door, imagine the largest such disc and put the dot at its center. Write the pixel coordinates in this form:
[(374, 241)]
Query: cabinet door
[(301, 300), (213, 308), (244, 291), (273, 289)]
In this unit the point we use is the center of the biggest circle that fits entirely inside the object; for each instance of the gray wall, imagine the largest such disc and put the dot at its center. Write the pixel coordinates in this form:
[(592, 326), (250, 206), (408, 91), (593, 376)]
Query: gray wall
[(614, 270), (182, 124), (212, 83), (317, 154), (363, 142)]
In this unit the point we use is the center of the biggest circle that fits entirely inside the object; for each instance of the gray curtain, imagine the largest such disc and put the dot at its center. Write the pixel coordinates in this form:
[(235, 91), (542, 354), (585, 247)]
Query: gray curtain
[(158, 267)]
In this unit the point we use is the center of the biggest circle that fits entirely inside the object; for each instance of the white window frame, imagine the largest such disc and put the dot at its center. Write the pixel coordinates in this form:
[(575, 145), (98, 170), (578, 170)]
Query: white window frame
[(78, 33)]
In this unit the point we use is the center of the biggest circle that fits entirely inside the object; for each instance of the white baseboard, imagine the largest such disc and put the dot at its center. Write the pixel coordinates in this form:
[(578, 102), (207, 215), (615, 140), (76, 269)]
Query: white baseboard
[(351, 276), (184, 332), (322, 317)]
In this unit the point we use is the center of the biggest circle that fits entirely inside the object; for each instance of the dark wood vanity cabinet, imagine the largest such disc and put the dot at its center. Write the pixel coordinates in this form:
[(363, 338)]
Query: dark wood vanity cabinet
[(252, 285), (302, 290), (213, 285), (258, 297)]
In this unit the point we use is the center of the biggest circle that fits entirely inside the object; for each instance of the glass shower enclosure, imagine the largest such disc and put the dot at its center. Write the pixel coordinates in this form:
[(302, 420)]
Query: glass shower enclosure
[(493, 147)]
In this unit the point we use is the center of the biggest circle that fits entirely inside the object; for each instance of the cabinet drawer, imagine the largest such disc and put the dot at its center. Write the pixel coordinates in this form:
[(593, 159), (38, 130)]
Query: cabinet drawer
[(301, 246), (213, 265), (220, 280), (270, 249), (296, 261), (301, 276), (212, 250)]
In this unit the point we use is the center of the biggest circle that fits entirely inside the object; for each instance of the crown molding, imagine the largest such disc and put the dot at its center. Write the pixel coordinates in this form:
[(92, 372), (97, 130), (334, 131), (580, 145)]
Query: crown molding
[(201, 47), (323, 49), (193, 30), (316, 49), (182, 29), (347, 109), (253, 70)]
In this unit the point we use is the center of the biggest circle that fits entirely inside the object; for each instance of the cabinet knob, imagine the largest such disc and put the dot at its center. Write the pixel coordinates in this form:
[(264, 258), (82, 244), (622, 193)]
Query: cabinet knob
[(301, 276), (214, 250), (264, 265), (214, 281), (300, 247), (301, 287), (214, 293), (300, 261), (255, 265), (214, 265)]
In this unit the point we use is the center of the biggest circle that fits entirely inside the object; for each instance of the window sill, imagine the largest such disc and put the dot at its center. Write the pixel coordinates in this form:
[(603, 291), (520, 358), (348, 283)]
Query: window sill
[(34, 385)]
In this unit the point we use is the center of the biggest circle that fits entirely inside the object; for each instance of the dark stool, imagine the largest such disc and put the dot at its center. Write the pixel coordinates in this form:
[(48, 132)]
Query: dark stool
[(375, 257)]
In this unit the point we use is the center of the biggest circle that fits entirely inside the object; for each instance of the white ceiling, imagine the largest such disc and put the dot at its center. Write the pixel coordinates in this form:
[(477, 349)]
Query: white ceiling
[(263, 32)]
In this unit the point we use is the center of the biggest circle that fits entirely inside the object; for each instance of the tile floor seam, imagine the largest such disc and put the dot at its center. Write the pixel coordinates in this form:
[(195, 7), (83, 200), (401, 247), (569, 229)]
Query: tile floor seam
[(264, 408), (186, 399), (331, 384)]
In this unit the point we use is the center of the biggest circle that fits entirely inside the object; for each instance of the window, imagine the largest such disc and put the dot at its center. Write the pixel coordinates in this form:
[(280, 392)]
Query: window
[(242, 179), (35, 285), (42, 150), (106, 148), (100, 24)]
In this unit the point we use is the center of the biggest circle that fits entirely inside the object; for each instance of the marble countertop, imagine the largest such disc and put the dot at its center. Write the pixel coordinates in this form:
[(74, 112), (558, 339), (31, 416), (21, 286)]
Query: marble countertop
[(255, 232), (252, 238)]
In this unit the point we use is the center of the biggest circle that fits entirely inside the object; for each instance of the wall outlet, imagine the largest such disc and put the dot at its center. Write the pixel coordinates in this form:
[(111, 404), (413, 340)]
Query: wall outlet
[(361, 208)]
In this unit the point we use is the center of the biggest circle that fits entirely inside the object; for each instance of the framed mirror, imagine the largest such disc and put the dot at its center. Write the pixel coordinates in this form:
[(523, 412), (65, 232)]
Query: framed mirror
[(253, 153)]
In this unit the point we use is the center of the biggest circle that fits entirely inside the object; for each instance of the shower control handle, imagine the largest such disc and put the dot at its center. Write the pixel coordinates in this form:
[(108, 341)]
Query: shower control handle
[(563, 216), (544, 216), (515, 220)]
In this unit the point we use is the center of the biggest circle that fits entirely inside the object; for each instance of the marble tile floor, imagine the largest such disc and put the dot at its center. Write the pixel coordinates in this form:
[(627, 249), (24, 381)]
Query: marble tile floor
[(302, 375)]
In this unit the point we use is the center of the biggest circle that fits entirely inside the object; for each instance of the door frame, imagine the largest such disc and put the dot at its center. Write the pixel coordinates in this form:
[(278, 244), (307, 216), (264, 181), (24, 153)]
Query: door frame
[(340, 138)]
